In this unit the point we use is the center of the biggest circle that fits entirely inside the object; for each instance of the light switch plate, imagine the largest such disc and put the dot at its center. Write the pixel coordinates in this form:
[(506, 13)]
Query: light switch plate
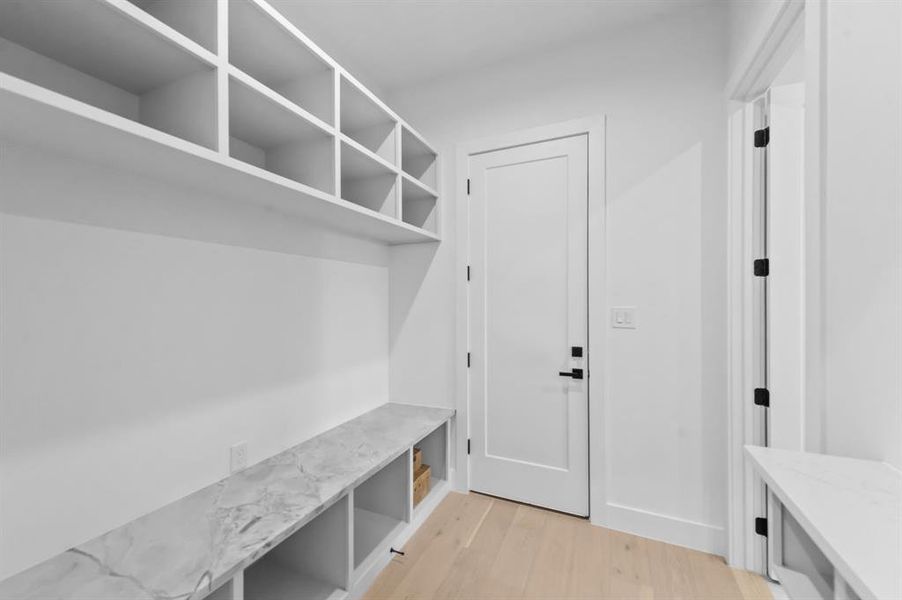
[(238, 457), (623, 317)]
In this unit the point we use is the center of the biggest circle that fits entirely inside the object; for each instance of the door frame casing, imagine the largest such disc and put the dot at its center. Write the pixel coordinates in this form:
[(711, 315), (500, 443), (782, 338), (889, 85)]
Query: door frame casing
[(779, 31), (594, 129)]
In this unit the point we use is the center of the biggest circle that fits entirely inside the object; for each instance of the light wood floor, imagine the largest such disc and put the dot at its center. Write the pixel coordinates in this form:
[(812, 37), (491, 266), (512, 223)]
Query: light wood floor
[(474, 547)]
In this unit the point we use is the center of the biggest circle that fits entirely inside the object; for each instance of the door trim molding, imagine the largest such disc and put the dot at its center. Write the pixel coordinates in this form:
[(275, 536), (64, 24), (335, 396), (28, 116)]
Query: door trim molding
[(762, 60), (787, 20), (594, 128)]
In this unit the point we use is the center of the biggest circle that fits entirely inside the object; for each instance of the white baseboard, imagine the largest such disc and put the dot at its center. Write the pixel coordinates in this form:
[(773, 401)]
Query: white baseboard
[(665, 528)]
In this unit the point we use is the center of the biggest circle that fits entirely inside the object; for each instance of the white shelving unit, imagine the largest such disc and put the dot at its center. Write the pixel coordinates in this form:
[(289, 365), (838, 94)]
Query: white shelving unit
[(114, 57), (226, 96)]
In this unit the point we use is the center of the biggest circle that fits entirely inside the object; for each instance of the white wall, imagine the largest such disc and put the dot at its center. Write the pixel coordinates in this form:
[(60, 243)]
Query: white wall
[(660, 86), (132, 361), (863, 230)]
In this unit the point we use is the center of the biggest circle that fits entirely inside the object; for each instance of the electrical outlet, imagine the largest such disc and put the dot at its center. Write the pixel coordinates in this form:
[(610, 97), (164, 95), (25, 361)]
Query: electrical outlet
[(238, 457), (623, 317)]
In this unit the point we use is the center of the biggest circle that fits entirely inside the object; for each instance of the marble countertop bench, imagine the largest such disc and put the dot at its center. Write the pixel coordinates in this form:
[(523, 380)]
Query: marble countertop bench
[(193, 545), (851, 508)]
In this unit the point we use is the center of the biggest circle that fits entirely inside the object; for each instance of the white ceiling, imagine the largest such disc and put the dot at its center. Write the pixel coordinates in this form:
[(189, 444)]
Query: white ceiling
[(390, 44)]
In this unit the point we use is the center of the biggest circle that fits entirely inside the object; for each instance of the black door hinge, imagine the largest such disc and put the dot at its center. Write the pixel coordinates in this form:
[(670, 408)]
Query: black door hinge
[(761, 267), (761, 526), (762, 137), (468, 360), (468, 445), (468, 272), (762, 397), (468, 187)]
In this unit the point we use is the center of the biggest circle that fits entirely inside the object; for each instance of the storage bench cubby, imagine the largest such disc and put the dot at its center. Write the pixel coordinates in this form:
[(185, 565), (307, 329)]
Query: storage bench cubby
[(102, 57), (813, 549), (805, 572), (314, 522), (227, 591), (380, 508), (434, 448), (311, 563)]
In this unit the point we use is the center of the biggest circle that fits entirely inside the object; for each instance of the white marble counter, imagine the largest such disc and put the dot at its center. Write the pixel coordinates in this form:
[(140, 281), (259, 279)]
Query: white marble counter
[(851, 508), (183, 550)]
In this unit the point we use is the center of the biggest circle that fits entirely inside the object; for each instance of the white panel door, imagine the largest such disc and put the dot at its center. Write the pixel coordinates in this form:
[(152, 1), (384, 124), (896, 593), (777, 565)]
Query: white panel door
[(528, 310)]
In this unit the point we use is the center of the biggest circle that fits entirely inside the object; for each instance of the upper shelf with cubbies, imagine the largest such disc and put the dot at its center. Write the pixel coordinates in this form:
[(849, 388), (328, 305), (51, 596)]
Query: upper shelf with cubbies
[(113, 57), (228, 97)]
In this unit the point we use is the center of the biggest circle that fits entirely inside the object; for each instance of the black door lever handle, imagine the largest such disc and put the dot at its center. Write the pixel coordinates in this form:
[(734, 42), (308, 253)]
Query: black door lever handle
[(575, 373)]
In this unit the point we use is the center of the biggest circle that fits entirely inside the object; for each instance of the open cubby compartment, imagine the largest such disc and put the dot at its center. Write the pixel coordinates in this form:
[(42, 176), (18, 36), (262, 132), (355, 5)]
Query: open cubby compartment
[(93, 52), (381, 508), (368, 182), (805, 571), (227, 591), (312, 563), (366, 122), (195, 19), (435, 454), (266, 47), (270, 135), (417, 158), (419, 206)]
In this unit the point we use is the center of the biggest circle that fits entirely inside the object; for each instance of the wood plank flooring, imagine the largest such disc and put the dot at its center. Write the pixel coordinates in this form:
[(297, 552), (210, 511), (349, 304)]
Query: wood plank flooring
[(476, 547)]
